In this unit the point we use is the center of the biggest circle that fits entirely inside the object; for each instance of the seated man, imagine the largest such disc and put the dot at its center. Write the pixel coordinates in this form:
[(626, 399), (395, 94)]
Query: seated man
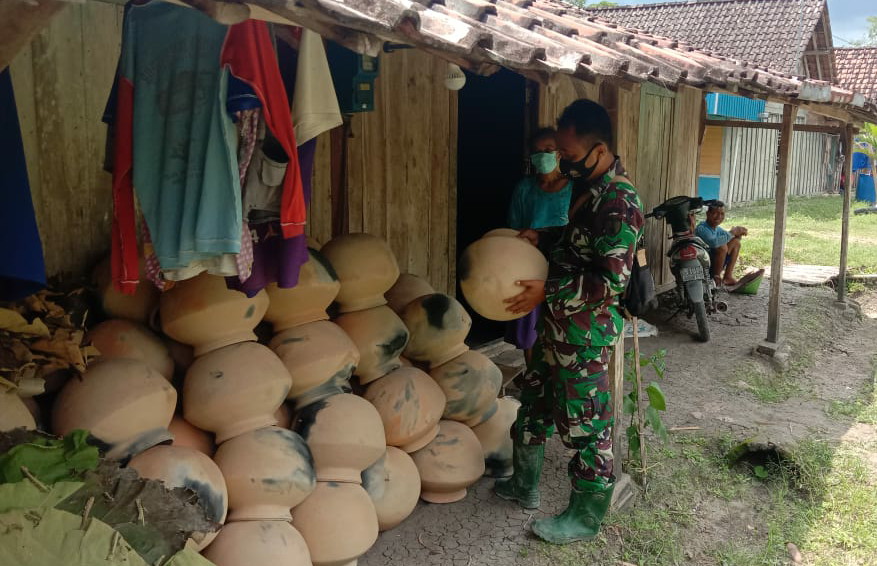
[(724, 246)]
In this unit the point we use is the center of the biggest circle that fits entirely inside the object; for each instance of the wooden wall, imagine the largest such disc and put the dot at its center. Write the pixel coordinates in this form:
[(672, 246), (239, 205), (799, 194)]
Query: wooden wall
[(711, 152)]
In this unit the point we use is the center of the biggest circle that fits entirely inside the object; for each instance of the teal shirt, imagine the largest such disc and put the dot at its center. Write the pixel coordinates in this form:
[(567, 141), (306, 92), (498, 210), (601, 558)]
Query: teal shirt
[(533, 208)]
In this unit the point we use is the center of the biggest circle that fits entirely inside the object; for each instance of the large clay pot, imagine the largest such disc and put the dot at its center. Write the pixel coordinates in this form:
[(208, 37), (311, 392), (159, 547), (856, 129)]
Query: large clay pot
[(319, 356), (495, 437), (317, 287), (182, 354), (393, 484), (449, 464), (407, 288), (489, 270), (13, 412), (137, 307), (503, 232), (283, 414), (268, 471), (438, 325), (471, 383), (380, 336), (339, 523), (259, 543), (123, 403), (204, 313), (366, 267), (177, 466), (186, 435), (410, 404), (235, 389), (118, 338), (345, 435)]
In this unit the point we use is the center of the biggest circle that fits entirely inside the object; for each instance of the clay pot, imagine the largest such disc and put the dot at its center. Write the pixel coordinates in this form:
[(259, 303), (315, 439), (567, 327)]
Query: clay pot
[(345, 435), (13, 412), (123, 403), (438, 325), (366, 267), (258, 543), (471, 383), (393, 484), (235, 389), (317, 287), (502, 232), (495, 437), (182, 354), (380, 336), (268, 471), (119, 338), (319, 356), (449, 464), (284, 416), (489, 269), (339, 523), (204, 313), (410, 404), (137, 307), (407, 288), (187, 435), (177, 466)]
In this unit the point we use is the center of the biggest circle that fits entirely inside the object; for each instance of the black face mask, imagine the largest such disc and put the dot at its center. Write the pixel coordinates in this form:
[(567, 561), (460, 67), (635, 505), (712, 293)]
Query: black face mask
[(577, 170)]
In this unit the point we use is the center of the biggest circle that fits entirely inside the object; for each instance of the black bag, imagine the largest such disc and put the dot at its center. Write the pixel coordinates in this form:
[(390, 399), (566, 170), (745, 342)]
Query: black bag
[(639, 297)]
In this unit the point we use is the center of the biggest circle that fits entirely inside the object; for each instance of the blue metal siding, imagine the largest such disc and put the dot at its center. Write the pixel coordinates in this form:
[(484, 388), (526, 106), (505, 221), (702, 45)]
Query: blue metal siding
[(736, 107), (708, 186)]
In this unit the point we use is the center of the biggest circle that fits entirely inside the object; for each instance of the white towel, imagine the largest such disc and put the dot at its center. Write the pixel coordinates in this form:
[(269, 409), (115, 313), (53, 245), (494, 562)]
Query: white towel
[(314, 104)]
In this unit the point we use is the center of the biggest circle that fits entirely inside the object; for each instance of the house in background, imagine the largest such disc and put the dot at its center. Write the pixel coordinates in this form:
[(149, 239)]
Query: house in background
[(857, 69)]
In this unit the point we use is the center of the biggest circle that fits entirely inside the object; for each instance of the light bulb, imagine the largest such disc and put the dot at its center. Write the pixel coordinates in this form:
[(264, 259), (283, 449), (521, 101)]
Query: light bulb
[(455, 78)]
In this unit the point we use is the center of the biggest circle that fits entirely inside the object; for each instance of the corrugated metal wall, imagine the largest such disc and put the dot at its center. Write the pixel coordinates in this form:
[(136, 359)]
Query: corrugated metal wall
[(730, 106)]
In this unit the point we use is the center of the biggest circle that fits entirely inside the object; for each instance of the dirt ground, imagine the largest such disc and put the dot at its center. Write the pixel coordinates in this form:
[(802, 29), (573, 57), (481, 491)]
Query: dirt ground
[(714, 387)]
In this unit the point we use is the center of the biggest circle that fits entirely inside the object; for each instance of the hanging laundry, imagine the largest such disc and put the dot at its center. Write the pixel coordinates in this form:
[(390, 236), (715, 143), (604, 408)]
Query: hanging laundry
[(314, 104)]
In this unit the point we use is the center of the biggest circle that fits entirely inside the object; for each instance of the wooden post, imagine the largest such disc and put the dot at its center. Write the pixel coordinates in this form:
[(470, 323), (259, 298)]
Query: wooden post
[(845, 226), (625, 490), (779, 227)]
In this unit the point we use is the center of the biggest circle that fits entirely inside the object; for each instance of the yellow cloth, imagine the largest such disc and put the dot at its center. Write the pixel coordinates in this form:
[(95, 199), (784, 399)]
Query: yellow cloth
[(314, 104)]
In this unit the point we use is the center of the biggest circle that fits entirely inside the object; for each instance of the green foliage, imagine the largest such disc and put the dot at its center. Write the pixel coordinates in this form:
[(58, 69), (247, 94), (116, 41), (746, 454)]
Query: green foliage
[(870, 37), (586, 4), (655, 399)]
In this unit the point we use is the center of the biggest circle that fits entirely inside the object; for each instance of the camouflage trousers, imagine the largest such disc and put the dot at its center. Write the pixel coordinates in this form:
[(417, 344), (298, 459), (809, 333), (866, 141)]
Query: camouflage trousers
[(567, 387)]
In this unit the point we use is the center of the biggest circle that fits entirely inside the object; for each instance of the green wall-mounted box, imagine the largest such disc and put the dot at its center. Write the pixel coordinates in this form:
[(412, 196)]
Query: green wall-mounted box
[(354, 78)]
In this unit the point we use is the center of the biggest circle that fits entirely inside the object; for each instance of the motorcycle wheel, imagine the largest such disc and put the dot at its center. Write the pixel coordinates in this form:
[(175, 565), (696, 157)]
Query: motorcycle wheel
[(703, 324)]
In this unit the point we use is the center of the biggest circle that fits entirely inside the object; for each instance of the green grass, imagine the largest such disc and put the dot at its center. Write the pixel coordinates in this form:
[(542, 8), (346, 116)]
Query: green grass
[(863, 408)]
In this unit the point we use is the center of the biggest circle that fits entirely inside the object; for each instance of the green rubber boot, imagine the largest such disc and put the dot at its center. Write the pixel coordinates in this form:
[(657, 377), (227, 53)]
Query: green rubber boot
[(581, 520), (523, 486)]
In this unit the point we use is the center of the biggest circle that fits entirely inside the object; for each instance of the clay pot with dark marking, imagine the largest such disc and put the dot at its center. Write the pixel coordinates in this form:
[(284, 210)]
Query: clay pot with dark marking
[(118, 338), (380, 336), (407, 288), (471, 383), (317, 287), (449, 464), (438, 325), (495, 437), (393, 484), (366, 267), (258, 543)]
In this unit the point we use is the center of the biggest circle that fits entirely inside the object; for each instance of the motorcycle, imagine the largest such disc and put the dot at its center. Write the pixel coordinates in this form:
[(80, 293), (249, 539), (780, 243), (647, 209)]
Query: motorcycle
[(696, 290)]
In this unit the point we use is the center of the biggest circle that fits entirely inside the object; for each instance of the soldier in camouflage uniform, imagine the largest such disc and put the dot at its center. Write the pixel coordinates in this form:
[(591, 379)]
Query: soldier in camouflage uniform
[(566, 384)]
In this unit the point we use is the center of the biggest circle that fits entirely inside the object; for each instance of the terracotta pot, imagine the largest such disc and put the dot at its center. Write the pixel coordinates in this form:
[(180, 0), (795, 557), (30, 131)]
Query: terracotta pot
[(186, 435), (119, 338), (204, 313), (503, 232), (319, 356), (438, 325), (259, 543), (495, 437), (123, 403), (137, 307), (177, 466), (393, 484), (345, 435), (471, 383), (380, 336), (284, 416), (182, 354), (13, 412), (410, 404), (339, 523), (317, 287), (366, 268), (489, 269), (407, 288), (449, 464), (268, 471), (235, 389)]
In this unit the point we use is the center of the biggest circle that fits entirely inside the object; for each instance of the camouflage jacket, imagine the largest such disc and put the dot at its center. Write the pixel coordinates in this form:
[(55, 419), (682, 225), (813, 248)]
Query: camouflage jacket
[(590, 261)]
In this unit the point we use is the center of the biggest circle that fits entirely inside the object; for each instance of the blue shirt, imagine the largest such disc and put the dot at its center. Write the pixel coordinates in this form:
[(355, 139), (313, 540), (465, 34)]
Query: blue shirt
[(531, 207), (714, 237)]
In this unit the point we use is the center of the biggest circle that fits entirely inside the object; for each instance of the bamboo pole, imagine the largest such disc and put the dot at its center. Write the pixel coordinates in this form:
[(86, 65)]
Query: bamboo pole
[(845, 226)]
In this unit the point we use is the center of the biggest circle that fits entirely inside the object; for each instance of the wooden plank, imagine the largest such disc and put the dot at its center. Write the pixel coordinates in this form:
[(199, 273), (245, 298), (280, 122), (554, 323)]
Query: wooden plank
[(627, 133), (453, 130), (319, 225), (395, 116), (357, 165), (849, 132), (437, 183), (418, 138)]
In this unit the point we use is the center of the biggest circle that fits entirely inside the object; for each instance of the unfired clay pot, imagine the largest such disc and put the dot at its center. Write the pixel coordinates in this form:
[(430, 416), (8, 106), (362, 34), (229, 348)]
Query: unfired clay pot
[(187, 435), (339, 523), (471, 383), (345, 435), (204, 313), (438, 325), (13, 412), (407, 288), (495, 437), (380, 336), (123, 403), (118, 338), (268, 471), (489, 269), (410, 404), (449, 464), (319, 356), (393, 484), (366, 267), (259, 543), (178, 466), (235, 389), (137, 307), (317, 287), (503, 232)]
